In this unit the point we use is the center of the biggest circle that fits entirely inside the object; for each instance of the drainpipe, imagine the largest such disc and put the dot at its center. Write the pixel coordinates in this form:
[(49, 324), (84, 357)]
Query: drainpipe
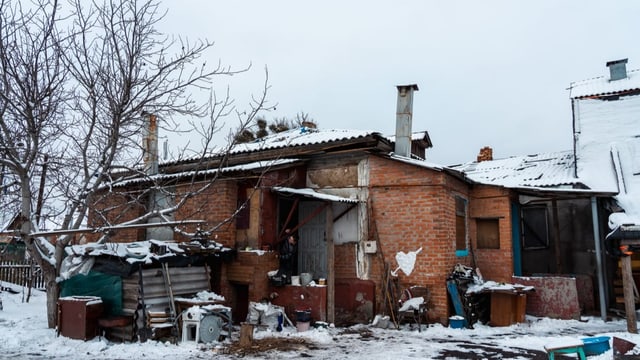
[(596, 238)]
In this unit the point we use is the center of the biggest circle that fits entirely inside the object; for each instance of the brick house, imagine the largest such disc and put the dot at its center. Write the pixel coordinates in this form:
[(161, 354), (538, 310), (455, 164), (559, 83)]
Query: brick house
[(517, 216), (568, 202), (382, 196)]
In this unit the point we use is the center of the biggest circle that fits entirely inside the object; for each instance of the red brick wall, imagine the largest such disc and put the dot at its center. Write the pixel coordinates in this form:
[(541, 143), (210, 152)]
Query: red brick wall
[(250, 268), (493, 202), (116, 208), (214, 205), (345, 261), (414, 208)]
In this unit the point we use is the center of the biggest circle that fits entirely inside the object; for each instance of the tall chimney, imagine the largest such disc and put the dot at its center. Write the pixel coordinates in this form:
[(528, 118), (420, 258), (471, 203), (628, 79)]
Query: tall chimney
[(150, 144), (157, 200), (617, 69), (404, 114)]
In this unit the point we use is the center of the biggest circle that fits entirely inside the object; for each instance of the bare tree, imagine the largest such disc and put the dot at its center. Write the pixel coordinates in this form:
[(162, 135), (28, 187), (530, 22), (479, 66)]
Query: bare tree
[(74, 90)]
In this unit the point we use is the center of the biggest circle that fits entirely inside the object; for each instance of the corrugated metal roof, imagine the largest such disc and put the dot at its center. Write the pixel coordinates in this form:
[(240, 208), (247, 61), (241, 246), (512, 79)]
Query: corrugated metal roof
[(603, 86), (539, 171)]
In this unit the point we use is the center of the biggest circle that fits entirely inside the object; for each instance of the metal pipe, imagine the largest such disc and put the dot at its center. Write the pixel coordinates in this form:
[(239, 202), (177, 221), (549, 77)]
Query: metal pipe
[(596, 239), (404, 115), (150, 143)]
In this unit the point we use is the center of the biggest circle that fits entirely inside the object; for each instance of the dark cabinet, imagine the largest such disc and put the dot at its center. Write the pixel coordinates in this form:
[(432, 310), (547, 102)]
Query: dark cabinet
[(78, 316)]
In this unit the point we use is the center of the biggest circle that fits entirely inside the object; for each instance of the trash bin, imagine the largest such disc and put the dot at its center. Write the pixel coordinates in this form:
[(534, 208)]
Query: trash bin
[(303, 319)]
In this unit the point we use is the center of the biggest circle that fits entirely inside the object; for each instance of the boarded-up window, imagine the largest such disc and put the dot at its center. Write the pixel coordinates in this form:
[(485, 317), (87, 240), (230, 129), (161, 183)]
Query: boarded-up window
[(242, 218), (488, 233), (461, 225), (535, 228)]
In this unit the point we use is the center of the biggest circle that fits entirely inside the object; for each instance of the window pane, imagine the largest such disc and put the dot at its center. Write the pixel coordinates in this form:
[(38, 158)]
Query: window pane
[(488, 233), (461, 206), (535, 229), (242, 218), (461, 223)]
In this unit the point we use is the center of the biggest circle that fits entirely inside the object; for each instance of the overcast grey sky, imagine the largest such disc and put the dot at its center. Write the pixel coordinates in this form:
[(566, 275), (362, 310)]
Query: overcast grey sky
[(490, 73)]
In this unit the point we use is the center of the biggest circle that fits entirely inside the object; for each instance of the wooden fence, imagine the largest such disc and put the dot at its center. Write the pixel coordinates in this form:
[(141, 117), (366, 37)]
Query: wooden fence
[(21, 273)]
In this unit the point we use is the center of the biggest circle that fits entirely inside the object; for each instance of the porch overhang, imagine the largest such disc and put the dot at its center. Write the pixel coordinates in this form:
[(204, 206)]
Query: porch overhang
[(311, 193), (562, 193)]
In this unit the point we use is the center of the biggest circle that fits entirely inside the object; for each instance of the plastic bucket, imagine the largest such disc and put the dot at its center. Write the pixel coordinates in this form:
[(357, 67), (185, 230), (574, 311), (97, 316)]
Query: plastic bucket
[(456, 323), (305, 279), (303, 315), (596, 345), (302, 326)]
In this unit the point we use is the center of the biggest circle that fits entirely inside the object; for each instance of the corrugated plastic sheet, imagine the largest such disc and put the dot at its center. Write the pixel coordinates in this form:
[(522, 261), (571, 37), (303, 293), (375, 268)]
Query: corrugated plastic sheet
[(298, 137)]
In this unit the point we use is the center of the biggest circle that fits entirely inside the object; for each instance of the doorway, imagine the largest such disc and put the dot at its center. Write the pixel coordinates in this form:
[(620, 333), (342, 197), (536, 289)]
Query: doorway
[(312, 246)]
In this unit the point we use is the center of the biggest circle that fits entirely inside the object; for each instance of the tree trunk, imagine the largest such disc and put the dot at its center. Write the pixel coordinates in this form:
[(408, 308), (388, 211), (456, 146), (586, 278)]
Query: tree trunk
[(53, 291)]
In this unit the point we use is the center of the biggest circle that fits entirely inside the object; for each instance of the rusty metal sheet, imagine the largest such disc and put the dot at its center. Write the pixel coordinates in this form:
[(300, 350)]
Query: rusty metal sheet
[(554, 296), (355, 301)]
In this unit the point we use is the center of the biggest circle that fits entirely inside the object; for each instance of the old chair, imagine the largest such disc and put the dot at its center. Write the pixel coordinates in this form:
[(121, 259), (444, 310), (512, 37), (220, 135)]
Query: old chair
[(413, 305)]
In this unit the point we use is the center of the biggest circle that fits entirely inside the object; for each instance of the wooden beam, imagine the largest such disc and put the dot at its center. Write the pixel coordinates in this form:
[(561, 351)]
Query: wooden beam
[(344, 212), (289, 216), (331, 288), (629, 296), (315, 213), (556, 236)]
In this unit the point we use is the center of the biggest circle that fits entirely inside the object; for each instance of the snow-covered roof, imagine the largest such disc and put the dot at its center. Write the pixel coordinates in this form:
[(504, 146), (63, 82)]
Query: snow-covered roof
[(417, 162), (303, 136), (81, 258), (416, 136), (256, 165), (537, 171), (607, 141), (314, 194), (142, 251), (300, 137), (603, 86)]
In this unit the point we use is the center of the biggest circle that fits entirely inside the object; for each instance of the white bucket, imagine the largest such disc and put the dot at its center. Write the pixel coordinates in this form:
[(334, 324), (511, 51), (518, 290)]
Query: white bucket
[(305, 279), (302, 326), (295, 280)]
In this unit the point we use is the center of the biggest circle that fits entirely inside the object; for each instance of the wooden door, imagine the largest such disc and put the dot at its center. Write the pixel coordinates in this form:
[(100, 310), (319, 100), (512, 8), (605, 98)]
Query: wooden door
[(312, 247)]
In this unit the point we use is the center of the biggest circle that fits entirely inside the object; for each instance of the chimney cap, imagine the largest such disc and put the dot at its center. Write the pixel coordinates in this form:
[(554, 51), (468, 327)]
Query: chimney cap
[(411, 86), (617, 69), (615, 62)]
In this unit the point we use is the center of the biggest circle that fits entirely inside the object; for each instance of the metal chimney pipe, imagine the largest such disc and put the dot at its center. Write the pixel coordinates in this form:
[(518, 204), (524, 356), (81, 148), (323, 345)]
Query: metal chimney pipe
[(404, 114), (150, 144), (617, 69)]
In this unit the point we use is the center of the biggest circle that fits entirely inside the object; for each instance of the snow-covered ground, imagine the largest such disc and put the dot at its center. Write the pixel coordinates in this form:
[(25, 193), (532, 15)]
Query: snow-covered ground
[(24, 335)]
